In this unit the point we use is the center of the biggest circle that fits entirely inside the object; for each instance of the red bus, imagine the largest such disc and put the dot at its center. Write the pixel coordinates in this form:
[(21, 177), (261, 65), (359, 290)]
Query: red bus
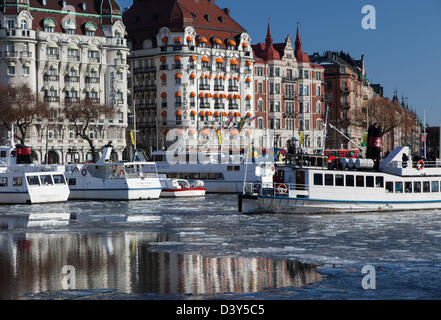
[(334, 154)]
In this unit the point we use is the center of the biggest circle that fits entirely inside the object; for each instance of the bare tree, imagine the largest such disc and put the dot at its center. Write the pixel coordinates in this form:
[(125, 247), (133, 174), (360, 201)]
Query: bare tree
[(22, 107), (82, 114)]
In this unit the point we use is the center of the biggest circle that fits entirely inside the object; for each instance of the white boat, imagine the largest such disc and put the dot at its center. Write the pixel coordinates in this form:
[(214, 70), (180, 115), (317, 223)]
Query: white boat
[(105, 180), (177, 188), (220, 172), (21, 181), (304, 184)]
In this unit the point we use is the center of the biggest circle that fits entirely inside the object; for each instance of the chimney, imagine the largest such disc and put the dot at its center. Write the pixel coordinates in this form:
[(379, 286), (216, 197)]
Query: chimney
[(227, 11)]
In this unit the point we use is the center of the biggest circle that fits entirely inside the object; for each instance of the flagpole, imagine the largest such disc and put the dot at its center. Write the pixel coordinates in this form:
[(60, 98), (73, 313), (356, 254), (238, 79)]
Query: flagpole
[(425, 137)]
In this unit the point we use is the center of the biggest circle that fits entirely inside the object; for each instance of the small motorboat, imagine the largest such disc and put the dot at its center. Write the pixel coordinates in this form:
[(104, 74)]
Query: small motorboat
[(173, 188)]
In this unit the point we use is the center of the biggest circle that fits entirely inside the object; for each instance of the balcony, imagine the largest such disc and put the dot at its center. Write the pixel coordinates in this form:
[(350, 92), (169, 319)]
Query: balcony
[(204, 87), (219, 105), (53, 57), (73, 58), (290, 96), (93, 100), (219, 87), (10, 54), (144, 70), (25, 54), (178, 105), (71, 79), (233, 88), (163, 67), (204, 105), (177, 66), (51, 99), (94, 59), (289, 79), (48, 77), (72, 99), (233, 106), (92, 80)]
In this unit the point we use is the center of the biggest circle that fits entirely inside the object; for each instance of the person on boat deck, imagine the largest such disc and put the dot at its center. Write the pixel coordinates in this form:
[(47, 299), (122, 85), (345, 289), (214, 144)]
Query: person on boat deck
[(405, 158)]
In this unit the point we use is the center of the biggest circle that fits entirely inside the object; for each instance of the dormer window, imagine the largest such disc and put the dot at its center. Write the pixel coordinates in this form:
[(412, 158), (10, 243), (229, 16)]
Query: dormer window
[(49, 25), (24, 24), (90, 29), (69, 26)]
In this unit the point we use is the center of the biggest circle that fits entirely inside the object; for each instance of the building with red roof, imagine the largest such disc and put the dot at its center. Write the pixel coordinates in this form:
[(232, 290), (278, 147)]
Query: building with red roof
[(192, 67), (288, 91)]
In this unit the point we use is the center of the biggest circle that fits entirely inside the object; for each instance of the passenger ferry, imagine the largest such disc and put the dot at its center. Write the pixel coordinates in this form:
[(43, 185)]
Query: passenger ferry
[(21, 181), (305, 184), (220, 172), (105, 180)]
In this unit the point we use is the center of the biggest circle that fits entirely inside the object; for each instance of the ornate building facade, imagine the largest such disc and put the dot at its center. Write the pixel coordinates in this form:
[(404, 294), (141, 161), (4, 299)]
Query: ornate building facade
[(191, 71), (288, 94), (64, 52)]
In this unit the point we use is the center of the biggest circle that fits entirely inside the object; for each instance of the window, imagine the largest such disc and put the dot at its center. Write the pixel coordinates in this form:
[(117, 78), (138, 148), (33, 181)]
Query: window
[(349, 181), (72, 182), (370, 181), (417, 187), (408, 187), (17, 181), (379, 182), (260, 123), (435, 186), (339, 180), (11, 24), (360, 181), (426, 186), (11, 69), (389, 187), (33, 180), (329, 179), (3, 182), (26, 70), (46, 180), (318, 179), (398, 187), (24, 24)]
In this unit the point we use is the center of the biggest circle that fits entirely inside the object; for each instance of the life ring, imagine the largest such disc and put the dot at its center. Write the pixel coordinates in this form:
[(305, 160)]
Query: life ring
[(122, 172), (282, 188), (84, 172), (420, 165)]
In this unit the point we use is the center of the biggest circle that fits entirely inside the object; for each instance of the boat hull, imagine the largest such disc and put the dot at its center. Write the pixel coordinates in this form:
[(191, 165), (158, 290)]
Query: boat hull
[(115, 194), (286, 205), (180, 193)]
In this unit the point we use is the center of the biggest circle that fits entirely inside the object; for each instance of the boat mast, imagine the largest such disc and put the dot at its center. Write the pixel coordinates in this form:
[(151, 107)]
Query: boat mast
[(349, 139)]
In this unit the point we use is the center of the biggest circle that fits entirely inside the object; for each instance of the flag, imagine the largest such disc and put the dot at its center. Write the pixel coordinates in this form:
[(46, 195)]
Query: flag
[(423, 137), (219, 135), (252, 119), (230, 121), (302, 138), (242, 123), (132, 137)]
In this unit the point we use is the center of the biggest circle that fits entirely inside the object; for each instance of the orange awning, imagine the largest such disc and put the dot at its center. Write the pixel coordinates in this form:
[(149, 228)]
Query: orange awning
[(178, 94), (223, 95), (192, 94), (233, 61), (192, 58), (230, 113), (219, 60), (189, 39), (207, 95), (177, 58), (236, 78), (177, 39), (193, 76), (244, 44), (203, 39), (178, 76), (179, 131), (248, 63), (179, 113), (249, 115), (248, 97), (201, 95), (205, 132), (205, 59), (207, 76), (224, 114), (218, 41), (163, 76), (163, 113), (216, 96), (208, 113), (191, 131), (193, 113), (202, 113), (163, 59), (164, 95), (232, 43), (237, 114), (165, 39), (216, 113), (248, 132), (248, 79), (230, 96)]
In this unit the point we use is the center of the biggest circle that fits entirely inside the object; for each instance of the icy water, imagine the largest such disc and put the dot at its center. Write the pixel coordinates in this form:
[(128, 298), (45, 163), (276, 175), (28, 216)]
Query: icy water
[(202, 248)]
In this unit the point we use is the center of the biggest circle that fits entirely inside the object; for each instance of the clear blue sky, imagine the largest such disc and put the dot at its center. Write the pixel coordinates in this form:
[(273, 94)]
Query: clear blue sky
[(402, 53)]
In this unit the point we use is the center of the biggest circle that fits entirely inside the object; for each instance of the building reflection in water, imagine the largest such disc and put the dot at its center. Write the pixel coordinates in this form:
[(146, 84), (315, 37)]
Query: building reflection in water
[(32, 263)]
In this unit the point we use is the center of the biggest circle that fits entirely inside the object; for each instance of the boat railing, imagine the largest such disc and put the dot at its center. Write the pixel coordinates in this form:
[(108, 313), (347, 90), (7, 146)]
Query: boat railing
[(306, 160), (415, 164), (272, 189)]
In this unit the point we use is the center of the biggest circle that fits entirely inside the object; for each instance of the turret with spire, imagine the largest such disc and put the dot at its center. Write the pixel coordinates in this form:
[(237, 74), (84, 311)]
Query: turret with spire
[(300, 55)]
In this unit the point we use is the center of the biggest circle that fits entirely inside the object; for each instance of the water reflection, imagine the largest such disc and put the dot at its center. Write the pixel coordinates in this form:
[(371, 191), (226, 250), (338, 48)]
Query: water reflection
[(32, 263)]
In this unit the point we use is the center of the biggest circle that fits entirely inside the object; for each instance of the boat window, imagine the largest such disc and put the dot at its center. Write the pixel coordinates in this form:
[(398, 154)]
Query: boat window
[(229, 168), (369, 181), (329, 179), (408, 187), (33, 180), (72, 182), (318, 179), (435, 186), (193, 176), (212, 176), (398, 187), (3, 154), (379, 182), (360, 181), (203, 176), (220, 176), (236, 168), (339, 180), (3, 182), (59, 179), (417, 187), (389, 187), (17, 181), (426, 186), (349, 181), (46, 180)]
